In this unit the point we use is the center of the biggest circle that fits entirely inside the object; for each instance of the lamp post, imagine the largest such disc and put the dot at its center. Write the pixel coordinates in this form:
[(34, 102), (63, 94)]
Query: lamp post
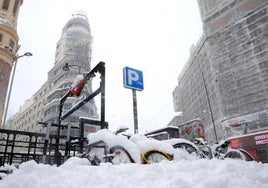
[(66, 67), (87, 76), (209, 106), (15, 59)]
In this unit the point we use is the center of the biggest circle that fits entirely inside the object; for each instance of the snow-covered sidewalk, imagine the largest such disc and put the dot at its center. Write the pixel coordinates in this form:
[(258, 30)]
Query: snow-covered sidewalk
[(184, 173)]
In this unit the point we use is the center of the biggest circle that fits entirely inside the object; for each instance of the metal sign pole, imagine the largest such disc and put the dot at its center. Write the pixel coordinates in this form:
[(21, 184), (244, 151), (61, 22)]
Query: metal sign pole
[(135, 111), (133, 79)]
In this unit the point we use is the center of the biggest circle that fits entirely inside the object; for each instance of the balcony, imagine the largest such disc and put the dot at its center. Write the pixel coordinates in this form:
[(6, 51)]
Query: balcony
[(8, 19)]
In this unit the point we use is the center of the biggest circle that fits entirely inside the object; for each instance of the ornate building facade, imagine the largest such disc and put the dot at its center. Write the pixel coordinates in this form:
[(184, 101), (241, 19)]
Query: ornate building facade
[(9, 10)]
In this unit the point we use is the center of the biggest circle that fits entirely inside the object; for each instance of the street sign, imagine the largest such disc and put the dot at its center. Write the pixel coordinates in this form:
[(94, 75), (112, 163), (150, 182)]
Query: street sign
[(133, 79)]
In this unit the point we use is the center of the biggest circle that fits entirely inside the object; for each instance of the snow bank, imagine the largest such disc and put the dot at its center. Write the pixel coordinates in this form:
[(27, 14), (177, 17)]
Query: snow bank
[(178, 174)]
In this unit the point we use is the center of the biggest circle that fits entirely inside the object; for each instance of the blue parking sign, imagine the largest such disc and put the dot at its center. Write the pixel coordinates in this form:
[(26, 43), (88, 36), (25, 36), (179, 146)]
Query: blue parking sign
[(133, 78)]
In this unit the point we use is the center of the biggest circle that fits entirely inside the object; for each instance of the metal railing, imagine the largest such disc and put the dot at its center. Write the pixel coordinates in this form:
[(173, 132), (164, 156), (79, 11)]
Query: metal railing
[(17, 147)]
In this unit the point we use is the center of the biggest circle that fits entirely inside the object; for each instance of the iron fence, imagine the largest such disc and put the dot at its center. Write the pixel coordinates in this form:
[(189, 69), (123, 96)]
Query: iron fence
[(17, 147)]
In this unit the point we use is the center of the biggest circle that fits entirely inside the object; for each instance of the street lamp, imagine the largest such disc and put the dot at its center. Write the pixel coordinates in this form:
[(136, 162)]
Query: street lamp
[(15, 59), (66, 67)]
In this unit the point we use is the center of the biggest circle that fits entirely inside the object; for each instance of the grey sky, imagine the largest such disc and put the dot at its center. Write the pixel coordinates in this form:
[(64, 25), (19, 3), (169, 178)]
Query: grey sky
[(153, 36)]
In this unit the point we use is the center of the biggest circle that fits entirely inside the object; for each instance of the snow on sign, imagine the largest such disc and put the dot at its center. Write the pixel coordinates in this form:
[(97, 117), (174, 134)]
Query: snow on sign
[(133, 79)]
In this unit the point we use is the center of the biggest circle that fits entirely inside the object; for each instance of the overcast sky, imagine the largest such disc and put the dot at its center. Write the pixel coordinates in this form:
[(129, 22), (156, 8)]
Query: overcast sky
[(153, 36)]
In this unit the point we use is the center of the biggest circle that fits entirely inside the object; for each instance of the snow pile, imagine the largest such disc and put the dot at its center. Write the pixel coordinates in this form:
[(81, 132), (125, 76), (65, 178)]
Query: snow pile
[(137, 144), (145, 144), (5, 170), (78, 78), (112, 140), (184, 171), (200, 173)]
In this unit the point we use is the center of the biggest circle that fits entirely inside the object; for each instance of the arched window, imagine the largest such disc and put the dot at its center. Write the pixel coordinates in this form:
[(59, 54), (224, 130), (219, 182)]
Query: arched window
[(5, 4), (11, 44)]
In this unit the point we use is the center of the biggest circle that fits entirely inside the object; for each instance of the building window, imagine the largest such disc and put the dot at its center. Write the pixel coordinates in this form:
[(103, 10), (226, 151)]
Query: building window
[(15, 8), (11, 44), (5, 4)]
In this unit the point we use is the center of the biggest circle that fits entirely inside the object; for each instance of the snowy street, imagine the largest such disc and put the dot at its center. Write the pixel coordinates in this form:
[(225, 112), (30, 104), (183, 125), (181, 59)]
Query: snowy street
[(192, 74), (201, 173)]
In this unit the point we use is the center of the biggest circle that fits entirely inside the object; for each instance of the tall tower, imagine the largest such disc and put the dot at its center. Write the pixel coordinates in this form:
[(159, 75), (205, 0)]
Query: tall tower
[(9, 10), (74, 48)]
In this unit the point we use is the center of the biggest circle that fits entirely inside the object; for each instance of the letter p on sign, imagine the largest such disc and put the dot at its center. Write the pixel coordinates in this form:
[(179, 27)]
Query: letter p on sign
[(133, 79)]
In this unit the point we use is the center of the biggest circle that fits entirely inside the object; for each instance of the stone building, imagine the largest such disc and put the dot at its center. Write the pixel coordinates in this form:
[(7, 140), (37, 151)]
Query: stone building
[(74, 48), (9, 10), (224, 81)]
